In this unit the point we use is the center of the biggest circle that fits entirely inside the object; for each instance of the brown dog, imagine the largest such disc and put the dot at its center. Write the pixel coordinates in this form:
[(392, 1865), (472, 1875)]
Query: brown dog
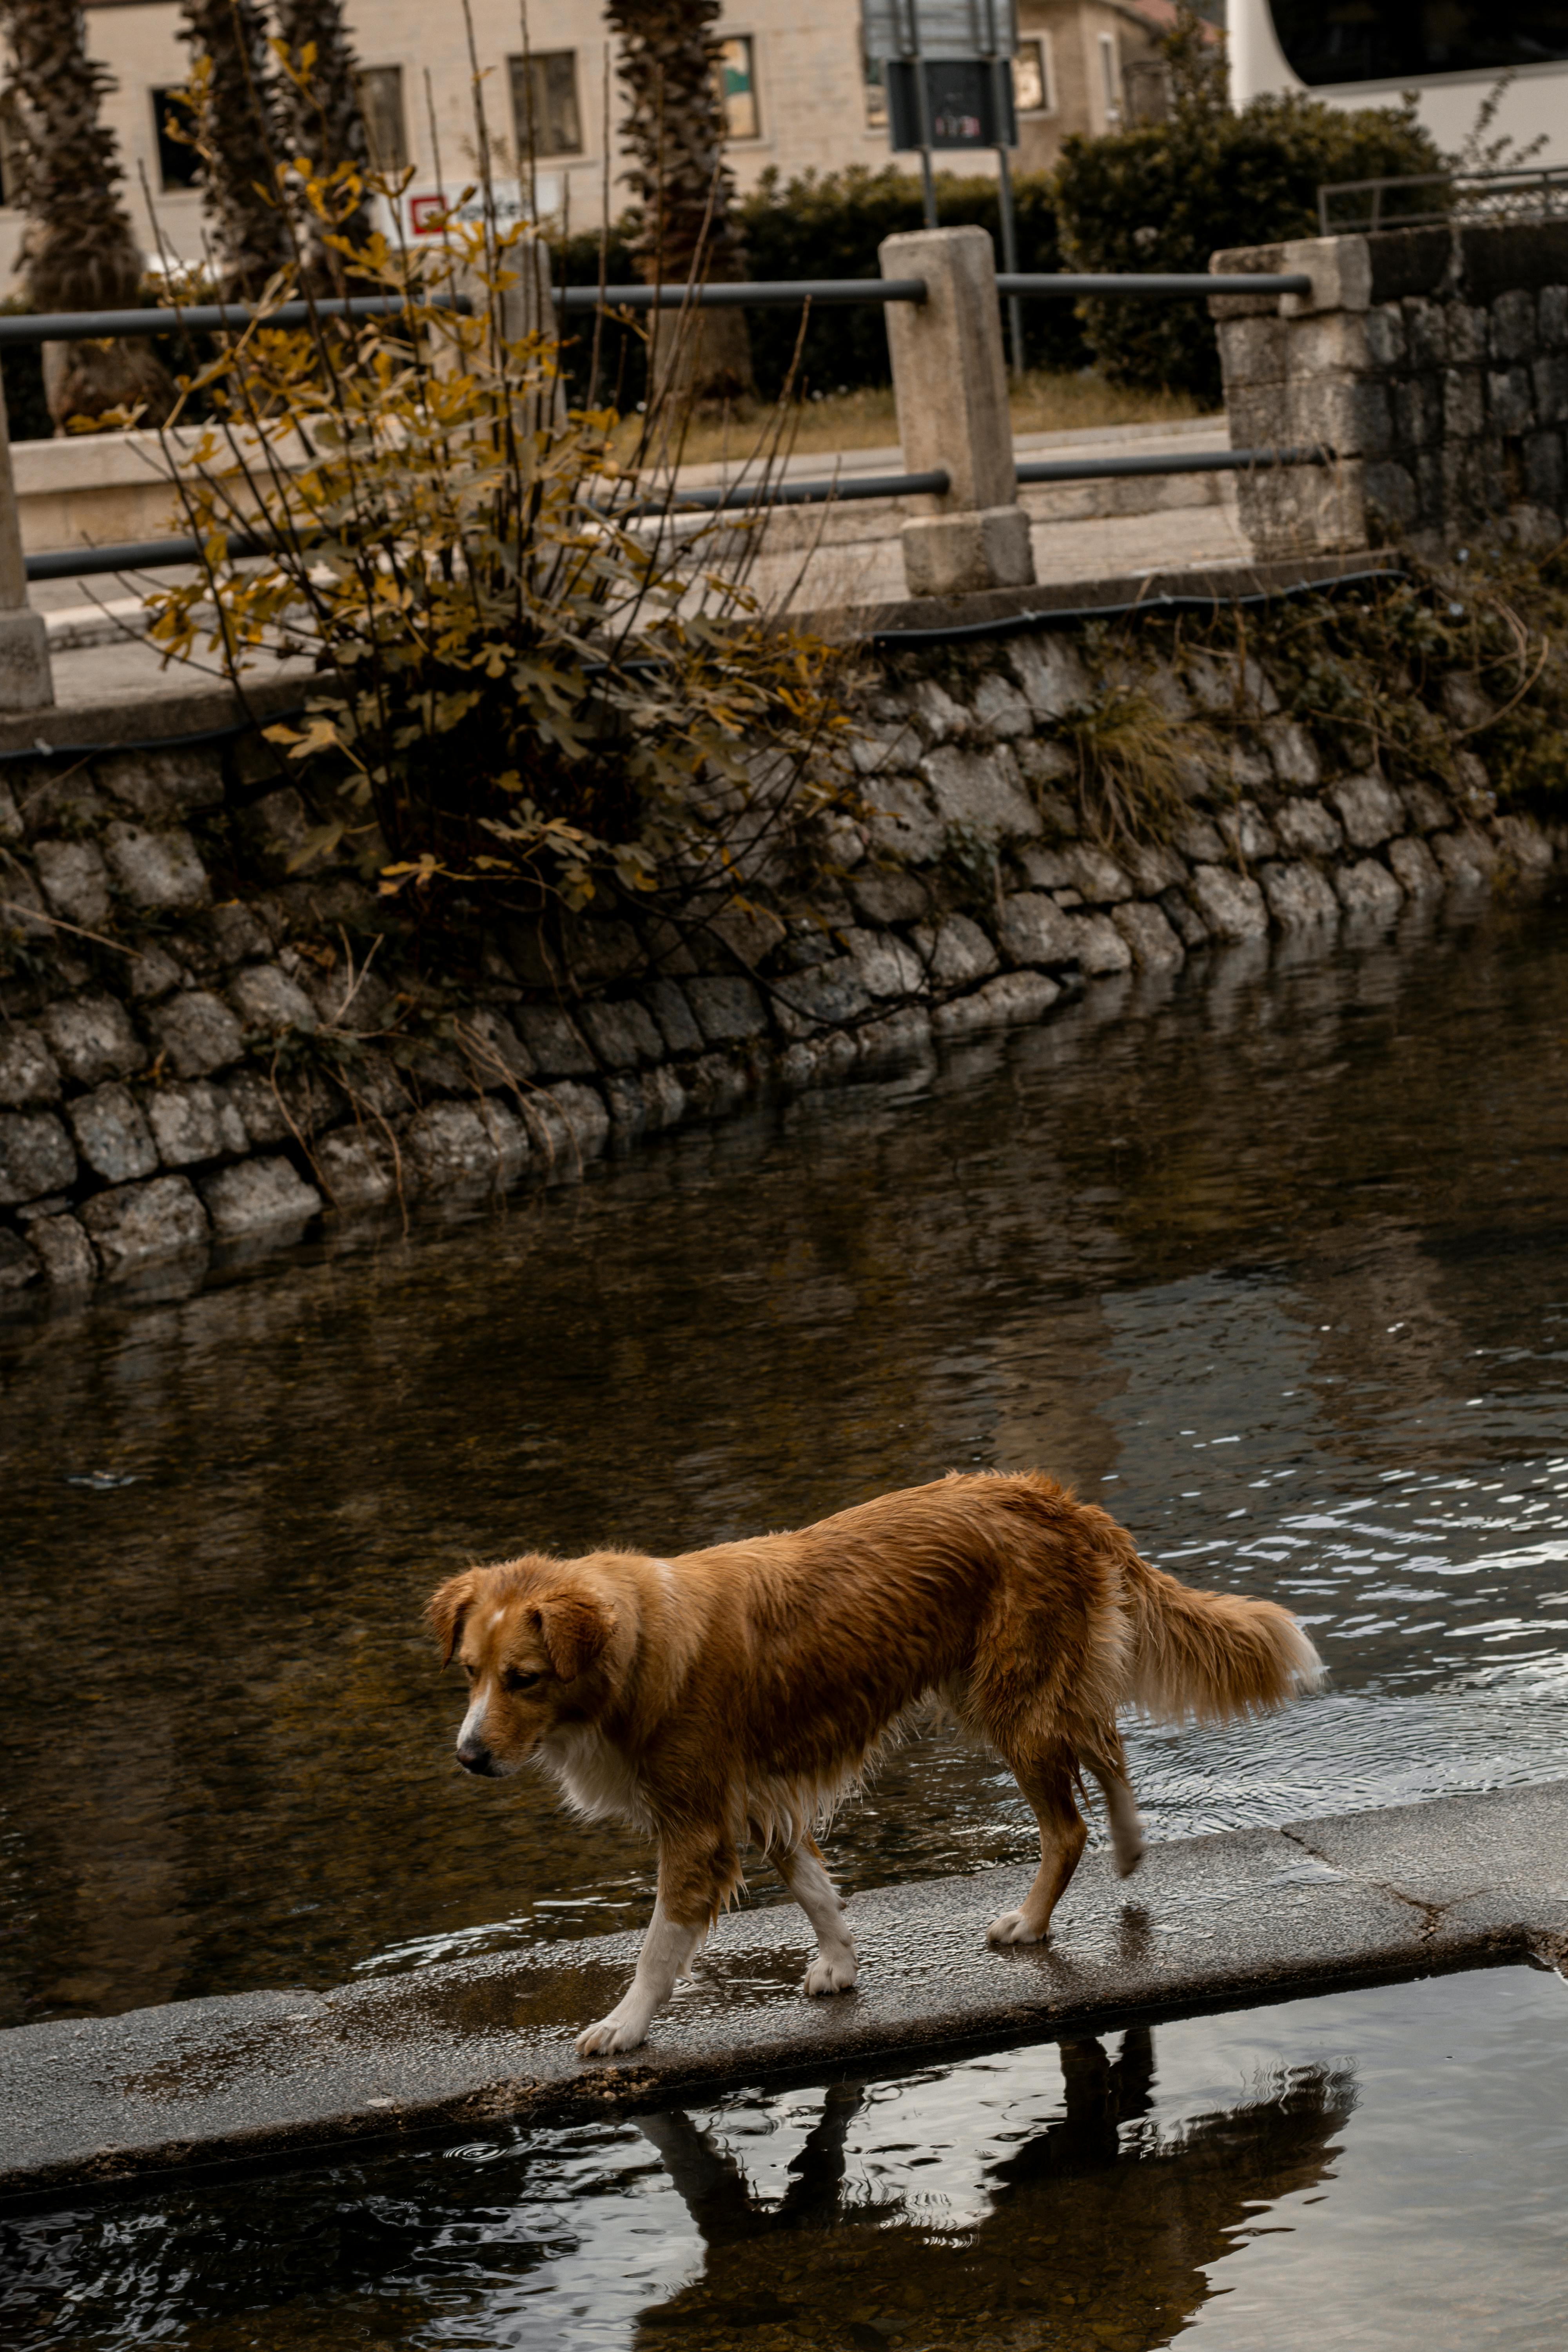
[(733, 1696)]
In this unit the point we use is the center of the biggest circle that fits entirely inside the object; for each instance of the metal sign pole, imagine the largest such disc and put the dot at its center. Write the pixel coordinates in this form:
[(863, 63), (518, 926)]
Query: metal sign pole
[(1009, 225), (922, 114)]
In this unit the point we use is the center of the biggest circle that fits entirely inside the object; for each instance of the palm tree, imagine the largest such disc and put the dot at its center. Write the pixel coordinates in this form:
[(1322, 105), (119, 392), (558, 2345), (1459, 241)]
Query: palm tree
[(239, 142), (80, 252), (321, 106), (674, 125)]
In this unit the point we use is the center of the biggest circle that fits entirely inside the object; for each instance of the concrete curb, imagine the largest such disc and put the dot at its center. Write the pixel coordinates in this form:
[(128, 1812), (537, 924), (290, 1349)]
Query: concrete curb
[(1209, 1923)]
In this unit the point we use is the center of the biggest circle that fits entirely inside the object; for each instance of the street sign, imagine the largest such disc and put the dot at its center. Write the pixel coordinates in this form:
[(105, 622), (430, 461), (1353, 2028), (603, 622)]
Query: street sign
[(943, 31), (969, 103)]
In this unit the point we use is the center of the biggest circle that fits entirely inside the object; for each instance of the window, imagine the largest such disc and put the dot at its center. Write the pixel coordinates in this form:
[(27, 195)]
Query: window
[(1111, 79), (179, 165), (544, 106), (875, 95), (380, 89), (1032, 92), (738, 89)]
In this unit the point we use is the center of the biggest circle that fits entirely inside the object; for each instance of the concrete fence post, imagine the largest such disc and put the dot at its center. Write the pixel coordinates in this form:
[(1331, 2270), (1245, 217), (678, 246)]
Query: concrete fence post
[(950, 384), (1296, 369), (25, 683)]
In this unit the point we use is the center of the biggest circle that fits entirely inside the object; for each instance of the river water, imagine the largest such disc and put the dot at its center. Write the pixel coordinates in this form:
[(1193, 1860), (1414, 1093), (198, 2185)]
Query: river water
[(1273, 1261)]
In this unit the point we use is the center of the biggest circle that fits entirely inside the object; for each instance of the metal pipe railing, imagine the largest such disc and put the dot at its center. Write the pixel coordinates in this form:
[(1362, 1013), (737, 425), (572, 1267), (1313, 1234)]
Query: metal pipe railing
[(205, 318), (773, 294), (1153, 285), (1201, 461)]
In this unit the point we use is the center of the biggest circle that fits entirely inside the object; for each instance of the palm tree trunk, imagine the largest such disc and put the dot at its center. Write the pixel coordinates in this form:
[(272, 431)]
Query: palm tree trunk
[(239, 142), (80, 252), (674, 125), (321, 113)]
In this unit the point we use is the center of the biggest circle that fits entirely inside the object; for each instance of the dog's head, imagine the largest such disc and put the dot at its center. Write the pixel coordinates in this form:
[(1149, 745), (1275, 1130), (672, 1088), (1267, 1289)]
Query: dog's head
[(529, 1636)]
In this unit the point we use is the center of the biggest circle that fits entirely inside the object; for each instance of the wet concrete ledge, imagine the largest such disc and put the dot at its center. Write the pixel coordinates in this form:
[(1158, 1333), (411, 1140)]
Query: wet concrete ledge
[(1219, 1922)]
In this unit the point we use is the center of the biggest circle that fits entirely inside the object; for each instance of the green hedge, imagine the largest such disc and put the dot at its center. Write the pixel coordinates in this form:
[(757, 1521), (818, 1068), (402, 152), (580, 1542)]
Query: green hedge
[(1166, 195), (831, 227)]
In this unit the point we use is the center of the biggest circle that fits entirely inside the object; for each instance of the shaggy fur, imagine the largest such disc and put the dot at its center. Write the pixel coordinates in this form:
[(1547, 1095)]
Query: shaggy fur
[(732, 1697)]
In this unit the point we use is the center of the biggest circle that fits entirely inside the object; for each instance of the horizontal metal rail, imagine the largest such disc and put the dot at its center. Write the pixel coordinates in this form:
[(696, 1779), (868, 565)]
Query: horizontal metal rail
[(1201, 461), (1152, 286), (150, 554), (205, 318), (757, 295)]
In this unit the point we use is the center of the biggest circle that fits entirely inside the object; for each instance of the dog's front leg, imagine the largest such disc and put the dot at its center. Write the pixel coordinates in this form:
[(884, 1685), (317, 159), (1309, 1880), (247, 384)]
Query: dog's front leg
[(666, 1951)]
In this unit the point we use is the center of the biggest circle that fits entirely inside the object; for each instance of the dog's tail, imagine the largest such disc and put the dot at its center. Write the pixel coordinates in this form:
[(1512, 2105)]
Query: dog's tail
[(1211, 1655)]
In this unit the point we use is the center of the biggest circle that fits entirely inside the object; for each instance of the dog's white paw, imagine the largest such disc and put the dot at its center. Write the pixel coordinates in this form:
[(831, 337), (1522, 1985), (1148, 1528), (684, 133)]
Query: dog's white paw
[(611, 2033), (833, 1972), (1012, 1928), (1128, 1858)]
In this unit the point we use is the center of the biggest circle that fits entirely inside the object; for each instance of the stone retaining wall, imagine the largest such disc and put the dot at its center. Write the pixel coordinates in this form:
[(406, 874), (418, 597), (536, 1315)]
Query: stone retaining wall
[(200, 1048)]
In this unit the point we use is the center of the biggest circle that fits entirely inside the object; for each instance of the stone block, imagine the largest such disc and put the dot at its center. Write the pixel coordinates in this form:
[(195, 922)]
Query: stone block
[(982, 789), (825, 996), (19, 1265), (887, 966), (1425, 810), (1305, 509), (1198, 842), (91, 1038), (956, 953), (153, 972), (1299, 896), (1464, 404), (11, 830), (556, 1045), (156, 870), (1097, 878), (1044, 869), (1154, 866), (1386, 346), (1548, 382), (35, 1156), (1011, 1001), (999, 706), (1470, 333), (162, 787), (879, 746), (256, 1196), (1033, 930), (197, 1032), (750, 933), (626, 1102), (1097, 946), (1465, 856), (1391, 493), (1247, 831), (884, 895), (1148, 932), (234, 933), (1545, 474), (902, 820), (1253, 350), (899, 1040), (673, 1015), (600, 949), (357, 1168), (66, 1252), (1185, 918), (950, 376), (1369, 809), (1426, 332), (1418, 411), (273, 832), (1509, 407), (568, 1124), (1339, 268), (451, 1148), (75, 880), (964, 554), (139, 1223), (112, 1134), (1512, 326), (664, 1097), (1368, 888), (26, 682), (942, 720), (1551, 313), (728, 1009), (266, 999), (1523, 846), (1232, 906), (196, 1121), (1050, 672), (1414, 867), (29, 1072), (623, 1035)]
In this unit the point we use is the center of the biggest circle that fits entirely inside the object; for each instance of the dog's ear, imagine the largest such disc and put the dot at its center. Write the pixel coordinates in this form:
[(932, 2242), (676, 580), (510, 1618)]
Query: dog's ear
[(446, 1609), (574, 1628)]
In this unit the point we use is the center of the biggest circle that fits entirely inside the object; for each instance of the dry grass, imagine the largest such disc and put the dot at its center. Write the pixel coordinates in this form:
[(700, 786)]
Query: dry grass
[(1042, 403)]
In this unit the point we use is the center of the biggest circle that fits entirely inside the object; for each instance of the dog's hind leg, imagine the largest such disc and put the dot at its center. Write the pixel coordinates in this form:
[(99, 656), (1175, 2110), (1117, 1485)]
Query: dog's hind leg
[(1047, 1782), (805, 1872), (1109, 1766)]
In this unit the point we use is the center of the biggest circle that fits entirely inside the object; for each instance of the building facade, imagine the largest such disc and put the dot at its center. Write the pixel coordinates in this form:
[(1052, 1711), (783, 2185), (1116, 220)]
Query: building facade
[(800, 94)]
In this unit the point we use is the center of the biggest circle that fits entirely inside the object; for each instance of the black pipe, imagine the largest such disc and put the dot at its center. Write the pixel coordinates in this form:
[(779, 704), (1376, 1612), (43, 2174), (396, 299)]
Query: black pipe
[(207, 318), (1201, 461), (935, 484), (1154, 285), (777, 294)]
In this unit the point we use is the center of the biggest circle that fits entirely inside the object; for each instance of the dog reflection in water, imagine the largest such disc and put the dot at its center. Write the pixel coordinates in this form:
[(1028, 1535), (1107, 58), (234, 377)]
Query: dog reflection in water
[(732, 1697), (1097, 2208)]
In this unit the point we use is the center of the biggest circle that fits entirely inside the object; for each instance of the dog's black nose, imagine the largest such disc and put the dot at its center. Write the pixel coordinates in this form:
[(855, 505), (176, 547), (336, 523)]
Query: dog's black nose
[(475, 1757)]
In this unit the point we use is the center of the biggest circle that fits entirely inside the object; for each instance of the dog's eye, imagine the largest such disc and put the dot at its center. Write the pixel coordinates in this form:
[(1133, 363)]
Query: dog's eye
[(516, 1681)]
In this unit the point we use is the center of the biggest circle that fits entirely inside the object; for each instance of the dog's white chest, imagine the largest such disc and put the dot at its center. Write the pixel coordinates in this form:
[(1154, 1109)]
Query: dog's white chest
[(593, 1776)]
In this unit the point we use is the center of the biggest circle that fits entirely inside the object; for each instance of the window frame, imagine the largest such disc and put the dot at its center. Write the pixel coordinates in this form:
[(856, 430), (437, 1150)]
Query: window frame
[(743, 138), (520, 67), (1041, 44), (1110, 76), (163, 147), (386, 170)]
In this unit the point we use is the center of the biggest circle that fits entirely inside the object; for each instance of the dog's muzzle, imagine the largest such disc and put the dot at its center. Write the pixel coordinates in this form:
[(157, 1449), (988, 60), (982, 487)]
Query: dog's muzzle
[(475, 1757)]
